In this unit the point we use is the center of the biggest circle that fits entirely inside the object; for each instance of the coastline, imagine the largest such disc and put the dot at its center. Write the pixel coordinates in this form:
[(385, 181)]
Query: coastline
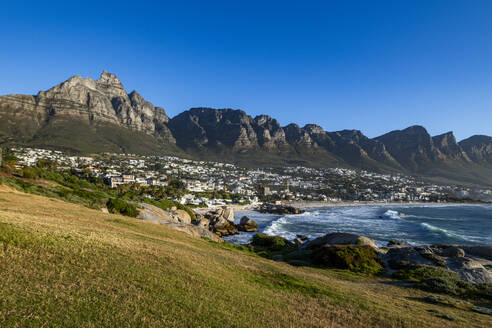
[(318, 204)]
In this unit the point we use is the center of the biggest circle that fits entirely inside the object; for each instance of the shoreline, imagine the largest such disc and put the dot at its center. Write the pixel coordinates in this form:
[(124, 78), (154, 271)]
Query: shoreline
[(318, 204)]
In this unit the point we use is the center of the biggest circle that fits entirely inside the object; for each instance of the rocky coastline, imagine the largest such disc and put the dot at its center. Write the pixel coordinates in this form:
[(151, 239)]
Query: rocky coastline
[(457, 271)]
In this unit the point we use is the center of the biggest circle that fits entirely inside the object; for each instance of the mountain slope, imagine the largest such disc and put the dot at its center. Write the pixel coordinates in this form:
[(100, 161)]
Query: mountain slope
[(85, 115), (478, 148), (66, 265)]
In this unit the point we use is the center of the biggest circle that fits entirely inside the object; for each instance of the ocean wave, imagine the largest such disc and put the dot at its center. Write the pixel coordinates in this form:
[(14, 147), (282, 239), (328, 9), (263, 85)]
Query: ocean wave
[(430, 227), (393, 214), (276, 228)]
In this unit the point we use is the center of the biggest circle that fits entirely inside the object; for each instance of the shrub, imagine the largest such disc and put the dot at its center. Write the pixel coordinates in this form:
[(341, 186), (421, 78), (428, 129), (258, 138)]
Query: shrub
[(30, 173), (119, 206), (273, 243), (361, 259)]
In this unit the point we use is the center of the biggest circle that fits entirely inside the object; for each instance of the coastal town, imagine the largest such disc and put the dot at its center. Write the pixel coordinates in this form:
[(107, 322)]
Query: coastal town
[(205, 182)]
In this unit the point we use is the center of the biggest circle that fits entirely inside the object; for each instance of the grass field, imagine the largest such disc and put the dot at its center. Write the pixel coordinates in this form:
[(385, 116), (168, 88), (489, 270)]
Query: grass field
[(63, 264)]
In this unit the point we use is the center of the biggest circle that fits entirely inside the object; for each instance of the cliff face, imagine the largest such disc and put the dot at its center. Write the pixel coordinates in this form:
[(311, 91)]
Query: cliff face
[(478, 148), (234, 130), (103, 101), (88, 115)]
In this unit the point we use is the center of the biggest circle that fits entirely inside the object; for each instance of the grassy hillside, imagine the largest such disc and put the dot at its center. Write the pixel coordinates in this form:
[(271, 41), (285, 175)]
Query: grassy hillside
[(67, 265)]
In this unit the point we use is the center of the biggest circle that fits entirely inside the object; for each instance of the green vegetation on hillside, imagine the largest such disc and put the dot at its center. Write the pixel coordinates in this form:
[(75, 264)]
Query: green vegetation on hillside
[(119, 206), (92, 192), (64, 265)]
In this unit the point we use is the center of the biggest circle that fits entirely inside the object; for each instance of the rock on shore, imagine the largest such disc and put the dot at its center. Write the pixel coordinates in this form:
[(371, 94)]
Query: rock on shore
[(279, 209), (247, 225), (451, 257)]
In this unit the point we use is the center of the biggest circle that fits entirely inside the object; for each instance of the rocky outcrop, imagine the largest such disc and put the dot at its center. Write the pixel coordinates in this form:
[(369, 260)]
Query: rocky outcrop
[(450, 257), (93, 102), (478, 148), (449, 148), (279, 209), (340, 238), (247, 225), (221, 222), (176, 219)]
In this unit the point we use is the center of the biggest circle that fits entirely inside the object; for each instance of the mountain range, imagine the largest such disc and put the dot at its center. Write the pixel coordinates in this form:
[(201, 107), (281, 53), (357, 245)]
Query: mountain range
[(83, 115)]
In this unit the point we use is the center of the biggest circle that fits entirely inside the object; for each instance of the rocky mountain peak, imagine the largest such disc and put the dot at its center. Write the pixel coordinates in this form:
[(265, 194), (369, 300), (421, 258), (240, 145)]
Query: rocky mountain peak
[(445, 139), (478, 148), (447, 145), (416, 130), (111, 85), (314, 129)]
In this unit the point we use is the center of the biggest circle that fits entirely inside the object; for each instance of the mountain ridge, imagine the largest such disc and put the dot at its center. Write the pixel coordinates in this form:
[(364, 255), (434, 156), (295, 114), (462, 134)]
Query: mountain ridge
[(86, 115)]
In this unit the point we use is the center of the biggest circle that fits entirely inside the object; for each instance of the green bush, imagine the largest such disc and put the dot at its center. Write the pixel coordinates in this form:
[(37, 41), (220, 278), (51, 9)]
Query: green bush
[(30, 173), (361, 259), (273, 243), (119, 206)]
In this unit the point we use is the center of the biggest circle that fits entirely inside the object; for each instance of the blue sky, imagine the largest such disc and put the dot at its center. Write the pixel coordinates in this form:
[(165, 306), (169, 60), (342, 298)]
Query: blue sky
[(369, 65)]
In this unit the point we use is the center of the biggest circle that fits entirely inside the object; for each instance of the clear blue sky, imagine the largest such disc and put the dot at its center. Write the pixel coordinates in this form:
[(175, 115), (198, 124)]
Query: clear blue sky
[(369, 65)]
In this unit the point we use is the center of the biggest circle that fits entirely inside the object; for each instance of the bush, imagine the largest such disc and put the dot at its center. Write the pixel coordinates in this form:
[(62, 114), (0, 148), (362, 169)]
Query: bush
[(30, 173), (119, 206), (273, 243), (361, 259)]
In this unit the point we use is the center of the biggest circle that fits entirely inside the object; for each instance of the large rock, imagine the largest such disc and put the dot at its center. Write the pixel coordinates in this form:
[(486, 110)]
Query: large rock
[(279, 209), (405, 257), (228, 214), (450, 257), (182, 216), (247, 225), (340, 238), (221, 222), (201, 221), (195, 231), (469, 269), (482, 251), (175, 219)]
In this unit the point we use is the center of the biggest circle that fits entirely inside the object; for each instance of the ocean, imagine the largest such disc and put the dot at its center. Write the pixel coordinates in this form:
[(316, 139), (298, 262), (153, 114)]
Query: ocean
[(414, 224)]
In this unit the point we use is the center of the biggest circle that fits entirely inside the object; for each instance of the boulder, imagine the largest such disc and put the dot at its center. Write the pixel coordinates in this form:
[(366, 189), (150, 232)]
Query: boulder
[(429, 253), (279, 209), (221, 222), (201, 221), (302, 237), (340, 238), (482, 251), (448, 251), (182, 216), (177, 220), (247, 225), (228, 214), (469, 269), (195, 231), (155, 214), (397, 243), (405, 257), (298, 241)]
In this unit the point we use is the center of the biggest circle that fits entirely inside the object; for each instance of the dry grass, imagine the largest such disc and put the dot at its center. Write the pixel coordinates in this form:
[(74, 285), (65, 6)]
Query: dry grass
[(65, 265)]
